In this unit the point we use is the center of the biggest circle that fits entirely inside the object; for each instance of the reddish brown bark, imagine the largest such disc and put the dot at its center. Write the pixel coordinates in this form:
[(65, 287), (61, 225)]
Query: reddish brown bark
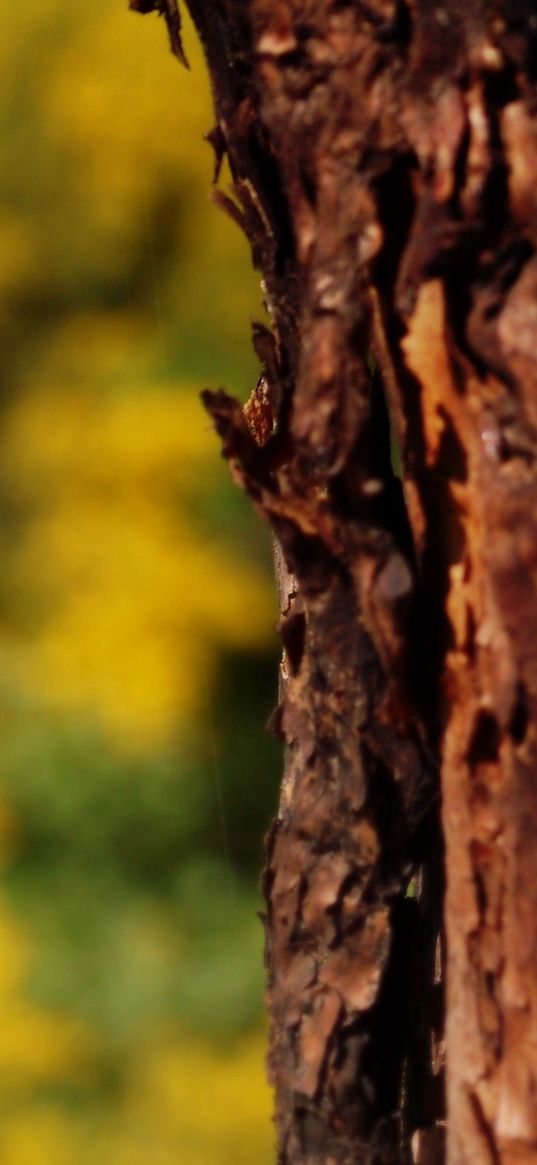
[(384, 162)]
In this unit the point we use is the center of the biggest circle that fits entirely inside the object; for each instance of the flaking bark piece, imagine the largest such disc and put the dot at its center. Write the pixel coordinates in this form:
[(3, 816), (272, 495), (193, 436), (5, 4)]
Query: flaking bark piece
[(169, 9), (217, 140)]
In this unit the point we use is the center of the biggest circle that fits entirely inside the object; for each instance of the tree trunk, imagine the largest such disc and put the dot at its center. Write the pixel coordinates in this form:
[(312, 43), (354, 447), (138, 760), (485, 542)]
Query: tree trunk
[(384, 162)]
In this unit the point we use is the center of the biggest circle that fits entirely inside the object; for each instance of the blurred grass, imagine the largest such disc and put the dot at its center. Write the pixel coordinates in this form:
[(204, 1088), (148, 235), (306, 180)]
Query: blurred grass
[(136, 612)]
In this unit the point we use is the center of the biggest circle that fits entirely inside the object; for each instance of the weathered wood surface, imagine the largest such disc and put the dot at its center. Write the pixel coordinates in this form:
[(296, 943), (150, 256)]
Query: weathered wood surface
[(384, 162)]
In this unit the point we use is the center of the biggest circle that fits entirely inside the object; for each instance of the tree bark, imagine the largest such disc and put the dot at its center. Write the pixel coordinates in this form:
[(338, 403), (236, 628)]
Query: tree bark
[(384, 162)]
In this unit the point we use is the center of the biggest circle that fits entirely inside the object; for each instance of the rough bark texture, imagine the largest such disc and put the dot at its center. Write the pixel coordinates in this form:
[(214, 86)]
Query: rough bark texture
[(384, 162)]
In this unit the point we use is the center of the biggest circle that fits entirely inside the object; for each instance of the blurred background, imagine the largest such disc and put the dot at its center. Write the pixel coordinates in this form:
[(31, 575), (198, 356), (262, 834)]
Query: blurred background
[(137, 650)]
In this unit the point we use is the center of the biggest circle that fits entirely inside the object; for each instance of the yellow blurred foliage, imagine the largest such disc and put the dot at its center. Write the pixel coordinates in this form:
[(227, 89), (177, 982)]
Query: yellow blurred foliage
[(112, 131), (217, 1106), (44, 1137), (35, 1045), (135, 600), (214, 1106), (16, 250), (100, 72), (118, 281)]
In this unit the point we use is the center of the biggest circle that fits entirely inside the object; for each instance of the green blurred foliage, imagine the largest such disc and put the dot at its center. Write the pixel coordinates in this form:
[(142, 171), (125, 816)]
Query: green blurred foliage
[(136, 613)]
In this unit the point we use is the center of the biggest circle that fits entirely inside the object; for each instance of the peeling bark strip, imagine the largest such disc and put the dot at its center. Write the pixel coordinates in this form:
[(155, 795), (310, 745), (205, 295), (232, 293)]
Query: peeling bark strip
[(384, 162)]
